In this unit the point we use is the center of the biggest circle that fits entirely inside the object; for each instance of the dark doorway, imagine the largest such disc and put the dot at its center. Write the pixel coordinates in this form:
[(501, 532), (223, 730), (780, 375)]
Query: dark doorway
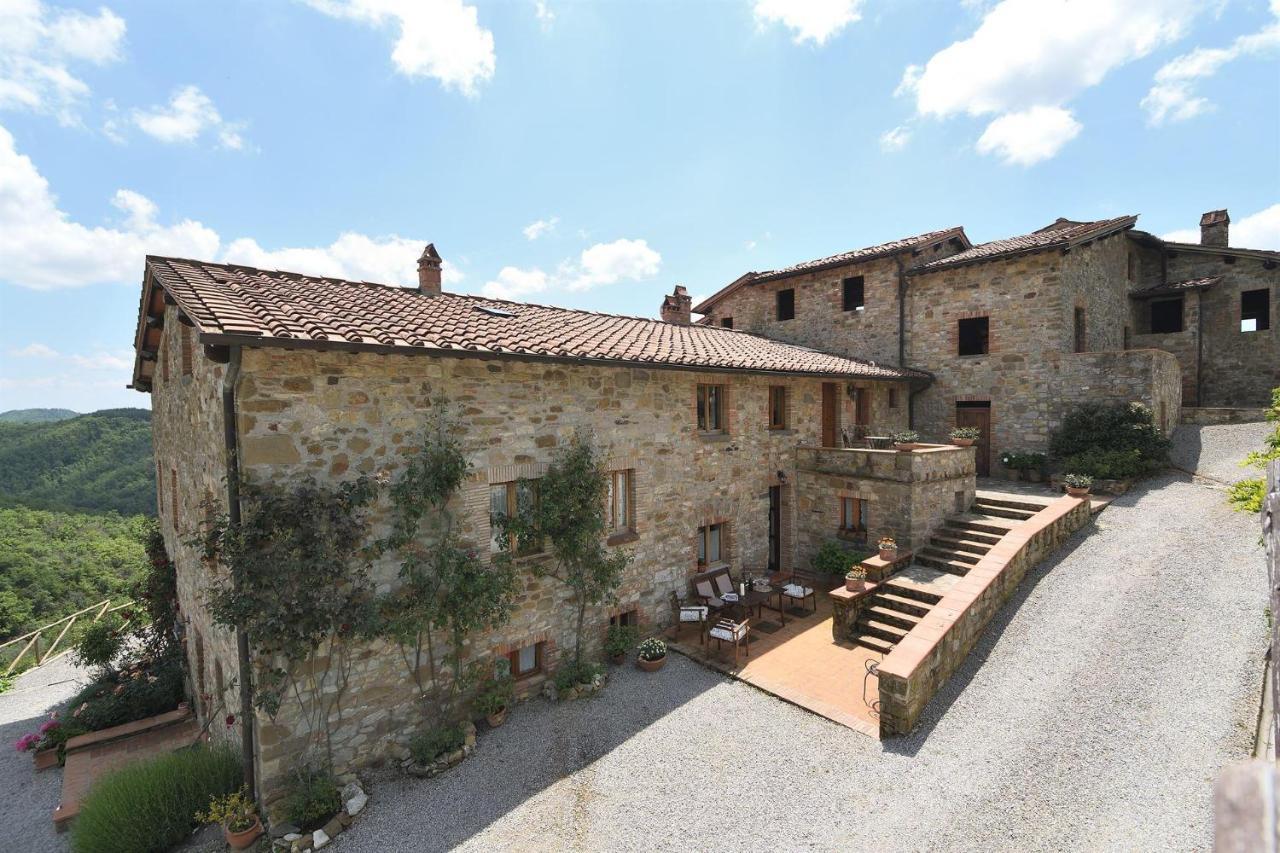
[(775, 528), (830, 428), (978, 414)]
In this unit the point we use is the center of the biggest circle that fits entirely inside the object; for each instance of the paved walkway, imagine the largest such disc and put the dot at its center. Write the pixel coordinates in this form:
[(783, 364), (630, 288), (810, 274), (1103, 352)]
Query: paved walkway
[(1094, 714)]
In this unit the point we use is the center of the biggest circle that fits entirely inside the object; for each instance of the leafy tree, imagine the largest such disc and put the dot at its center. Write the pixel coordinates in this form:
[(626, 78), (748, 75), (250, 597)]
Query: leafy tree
[(570, 517), (1247, 495)]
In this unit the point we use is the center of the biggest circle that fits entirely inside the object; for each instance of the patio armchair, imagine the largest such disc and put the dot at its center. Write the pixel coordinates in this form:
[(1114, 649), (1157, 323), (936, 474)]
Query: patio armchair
[(685, 613), (798, 587), (728, 631), (710, 587)]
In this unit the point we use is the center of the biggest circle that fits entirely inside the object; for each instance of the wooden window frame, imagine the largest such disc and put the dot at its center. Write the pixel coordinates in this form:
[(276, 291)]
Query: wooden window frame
[(539, 655), (622, 483), (984, 338), (512, 507), (626, 617), (778, 299), (852, 507), (778, 407), (704, 544), (859, 303), (705, 410)]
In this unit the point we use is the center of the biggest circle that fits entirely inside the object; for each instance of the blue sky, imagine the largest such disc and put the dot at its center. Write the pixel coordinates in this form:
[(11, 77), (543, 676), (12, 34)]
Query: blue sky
[(588, 154)]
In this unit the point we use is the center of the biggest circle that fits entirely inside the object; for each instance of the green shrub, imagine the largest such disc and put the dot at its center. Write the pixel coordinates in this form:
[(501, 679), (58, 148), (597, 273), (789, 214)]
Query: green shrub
[(426, 747), (1115, 427), (1016, 460), (1109, 464), (620, 639), (151, 805), (101, 643), (834, 560), (1247, 495), (140, 689), (313, 798), (573, 673)]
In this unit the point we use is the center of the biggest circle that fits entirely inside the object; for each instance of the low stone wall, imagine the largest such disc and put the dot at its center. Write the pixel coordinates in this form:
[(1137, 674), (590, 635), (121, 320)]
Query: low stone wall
[(907, 494), (1202, 416), (1148, 376), (921, 663)]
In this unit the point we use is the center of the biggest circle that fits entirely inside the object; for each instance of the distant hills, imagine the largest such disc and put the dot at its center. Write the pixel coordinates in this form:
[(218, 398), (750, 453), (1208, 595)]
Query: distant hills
[(35, 416), (99, 462)]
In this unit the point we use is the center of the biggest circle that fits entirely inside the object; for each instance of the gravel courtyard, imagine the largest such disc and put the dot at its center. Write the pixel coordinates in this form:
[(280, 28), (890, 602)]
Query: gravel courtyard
[(1094, 714)]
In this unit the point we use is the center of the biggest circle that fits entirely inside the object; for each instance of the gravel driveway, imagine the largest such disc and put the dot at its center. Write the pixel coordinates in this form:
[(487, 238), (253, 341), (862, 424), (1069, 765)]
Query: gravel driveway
[(1093, 715), (1216, 451)]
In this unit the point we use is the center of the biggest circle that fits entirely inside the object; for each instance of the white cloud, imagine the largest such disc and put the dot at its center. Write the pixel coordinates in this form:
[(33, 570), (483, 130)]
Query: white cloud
[(516, 283), (543, 12), (606, 263), (1029, 55), (35, 351), (1027, 137), (895, 139), (810, 20), (1259, 230), (36, 45), (188, 115), (541, 227), (1173, 97), (43, 248), (118, 361), (441, 39)]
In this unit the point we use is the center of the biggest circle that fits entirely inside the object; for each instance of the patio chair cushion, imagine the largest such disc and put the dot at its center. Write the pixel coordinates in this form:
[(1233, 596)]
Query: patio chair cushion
[(795, 590), (724, 583), (693, 614), (730, 631)]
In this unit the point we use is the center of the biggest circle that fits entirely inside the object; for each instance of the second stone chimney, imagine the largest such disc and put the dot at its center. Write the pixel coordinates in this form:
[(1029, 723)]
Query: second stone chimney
[(429, 271), (1213, 228), (677, 307)]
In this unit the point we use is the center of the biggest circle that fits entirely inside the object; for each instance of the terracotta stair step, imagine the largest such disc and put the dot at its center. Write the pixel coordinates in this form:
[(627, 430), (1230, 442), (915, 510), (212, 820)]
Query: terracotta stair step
[(904, 621), (874, 643), (960, 533), (954, 554), (953, 567), (1008, 501), (901, 604), (983, 523), (971, 546), (1001, 512), (884, 630), (911, 590)]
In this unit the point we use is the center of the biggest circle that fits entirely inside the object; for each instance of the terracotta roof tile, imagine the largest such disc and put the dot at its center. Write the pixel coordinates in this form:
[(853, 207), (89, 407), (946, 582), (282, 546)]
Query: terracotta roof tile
[(227, 302), (1060, 234), (1176, 286)]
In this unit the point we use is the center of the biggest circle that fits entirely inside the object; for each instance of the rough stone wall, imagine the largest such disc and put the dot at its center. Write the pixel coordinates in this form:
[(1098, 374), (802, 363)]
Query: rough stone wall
[(1184, 345), (907, 494), (336, 415), (1094, 278), (1151, 377), (187, 436)]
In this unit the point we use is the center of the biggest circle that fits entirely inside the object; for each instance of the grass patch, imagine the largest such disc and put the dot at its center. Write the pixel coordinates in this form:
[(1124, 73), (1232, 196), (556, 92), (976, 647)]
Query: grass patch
[(151, 805), (313, 799)]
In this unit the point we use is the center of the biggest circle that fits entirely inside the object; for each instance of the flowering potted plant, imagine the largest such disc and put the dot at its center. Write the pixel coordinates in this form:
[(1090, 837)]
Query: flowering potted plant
[(1078, 485), (965, 436), (494, 697), (855, 577), (237, 815), (44, 744), (619, 640), (906, 439), (888, 549), (652, 654)]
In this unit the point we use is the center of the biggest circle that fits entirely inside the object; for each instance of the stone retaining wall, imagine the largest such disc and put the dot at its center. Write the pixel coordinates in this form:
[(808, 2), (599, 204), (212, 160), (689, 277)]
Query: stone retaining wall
[(1201, 416), (922, 662)]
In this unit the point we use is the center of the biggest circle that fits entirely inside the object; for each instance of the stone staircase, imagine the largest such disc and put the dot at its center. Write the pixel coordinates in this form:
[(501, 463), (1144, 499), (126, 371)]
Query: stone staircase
[(900, 602)]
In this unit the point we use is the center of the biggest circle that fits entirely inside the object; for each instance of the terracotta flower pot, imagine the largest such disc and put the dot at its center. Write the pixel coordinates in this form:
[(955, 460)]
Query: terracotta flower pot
[(1077, 492), (46, 758), (652, 665), (888, 554), (962, 442), (495, 720), (853, 584), (241, 840), (905, 447)]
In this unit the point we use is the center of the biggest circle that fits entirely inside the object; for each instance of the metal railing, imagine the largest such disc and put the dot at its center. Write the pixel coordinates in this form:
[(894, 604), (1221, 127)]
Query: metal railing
[(31, 641)]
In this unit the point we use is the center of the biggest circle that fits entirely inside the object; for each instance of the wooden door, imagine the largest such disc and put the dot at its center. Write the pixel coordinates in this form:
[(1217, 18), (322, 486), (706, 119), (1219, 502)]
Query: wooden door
[(978, 415), (830, 434)]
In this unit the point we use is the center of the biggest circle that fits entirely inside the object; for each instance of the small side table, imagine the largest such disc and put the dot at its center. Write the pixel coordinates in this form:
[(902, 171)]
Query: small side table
[(845, 606)]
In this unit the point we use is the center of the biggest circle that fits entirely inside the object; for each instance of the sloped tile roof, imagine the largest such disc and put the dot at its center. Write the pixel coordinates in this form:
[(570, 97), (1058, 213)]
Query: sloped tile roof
[(864, 254), (1176, 286), (1060, 234), (237, 304)]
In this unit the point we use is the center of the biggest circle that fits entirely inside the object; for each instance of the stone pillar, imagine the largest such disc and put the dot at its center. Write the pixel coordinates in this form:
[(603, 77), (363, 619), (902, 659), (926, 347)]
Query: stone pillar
[(1213, 228)]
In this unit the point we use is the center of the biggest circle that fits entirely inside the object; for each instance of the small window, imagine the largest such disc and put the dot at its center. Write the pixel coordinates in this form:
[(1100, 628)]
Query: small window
[(163, 356), (777, 407), (173, 497), (787, 304), (630, 617), (1133, 267), (853, 515), (1079, 331), (1255, 310), (159, 488), (726, 322), (974, 336), (1166, 316), (527, 660), (507, 500), (186, 348), (622, 501), (711, 408), (893, 398), (853, 293), (710, 544)]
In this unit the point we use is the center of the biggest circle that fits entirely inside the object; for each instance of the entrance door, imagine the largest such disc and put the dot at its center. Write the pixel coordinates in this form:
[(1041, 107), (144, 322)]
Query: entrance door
[(978, 415), (829, 434), (861, 412), (775, 528)]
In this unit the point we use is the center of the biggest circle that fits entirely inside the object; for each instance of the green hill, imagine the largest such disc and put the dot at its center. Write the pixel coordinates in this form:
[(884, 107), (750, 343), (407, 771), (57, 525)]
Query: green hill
[(100, 462), (35, 416)]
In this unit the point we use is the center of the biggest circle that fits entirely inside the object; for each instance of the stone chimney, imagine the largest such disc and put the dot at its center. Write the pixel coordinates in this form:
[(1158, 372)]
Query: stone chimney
[(677, 307), (1213, 228), (429, 271)]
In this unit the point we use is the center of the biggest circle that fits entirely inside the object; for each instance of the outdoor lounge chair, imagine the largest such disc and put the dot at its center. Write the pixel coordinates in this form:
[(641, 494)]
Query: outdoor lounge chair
[(685, 613), (728, 631)]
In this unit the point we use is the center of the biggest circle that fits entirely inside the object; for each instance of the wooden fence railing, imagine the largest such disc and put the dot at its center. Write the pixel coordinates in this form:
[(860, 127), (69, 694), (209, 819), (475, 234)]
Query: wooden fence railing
[(30, 642)]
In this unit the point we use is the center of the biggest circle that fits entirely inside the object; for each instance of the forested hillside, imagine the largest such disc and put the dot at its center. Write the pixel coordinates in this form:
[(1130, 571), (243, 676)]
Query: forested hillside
[(35, 416), (55, 563), (100, 462)]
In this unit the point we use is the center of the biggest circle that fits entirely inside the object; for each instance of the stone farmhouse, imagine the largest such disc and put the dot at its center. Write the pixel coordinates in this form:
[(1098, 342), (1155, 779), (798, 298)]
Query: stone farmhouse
[(724, 438)]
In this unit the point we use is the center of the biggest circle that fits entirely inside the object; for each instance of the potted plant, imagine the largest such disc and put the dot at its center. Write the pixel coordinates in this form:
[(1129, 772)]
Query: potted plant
[(494, 697), (854, 578), (888, 549), (237, 815), (652, 654), (905, 440), (1078, 485), (965, 436), (619, 640)]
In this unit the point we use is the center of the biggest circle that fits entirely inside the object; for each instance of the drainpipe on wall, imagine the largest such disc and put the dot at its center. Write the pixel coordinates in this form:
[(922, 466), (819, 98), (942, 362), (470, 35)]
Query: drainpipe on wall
[(232, 444), (1199, 345)]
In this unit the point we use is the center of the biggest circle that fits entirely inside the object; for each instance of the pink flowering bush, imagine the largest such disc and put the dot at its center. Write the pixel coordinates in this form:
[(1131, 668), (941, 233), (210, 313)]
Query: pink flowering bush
[(27, 742)]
